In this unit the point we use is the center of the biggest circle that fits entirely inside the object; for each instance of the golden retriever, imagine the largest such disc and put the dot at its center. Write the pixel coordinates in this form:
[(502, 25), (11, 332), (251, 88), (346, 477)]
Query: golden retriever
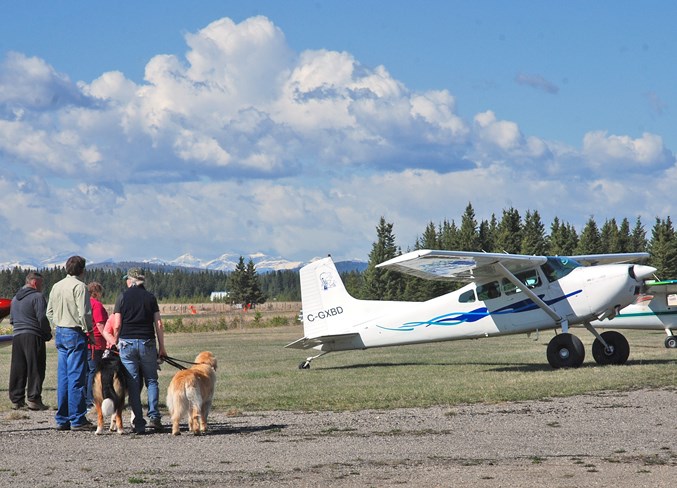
[(190, 394)]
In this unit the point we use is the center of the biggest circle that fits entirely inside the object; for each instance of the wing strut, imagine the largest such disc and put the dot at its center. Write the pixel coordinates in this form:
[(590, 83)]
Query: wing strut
[(503, 271)]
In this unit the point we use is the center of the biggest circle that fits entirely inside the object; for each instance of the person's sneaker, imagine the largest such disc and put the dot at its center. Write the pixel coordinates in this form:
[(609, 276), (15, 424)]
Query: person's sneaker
[(37, 405), (63, 427), (87, 426), (157, 425), (18, 406)]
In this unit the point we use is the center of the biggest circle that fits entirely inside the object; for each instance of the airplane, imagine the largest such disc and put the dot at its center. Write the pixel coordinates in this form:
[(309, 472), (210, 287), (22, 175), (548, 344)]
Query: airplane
[(506, 294), (4, 312), (654, 309)]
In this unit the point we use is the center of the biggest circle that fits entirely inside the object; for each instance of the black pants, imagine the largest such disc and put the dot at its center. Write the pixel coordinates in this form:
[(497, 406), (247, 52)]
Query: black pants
[(27, 370)]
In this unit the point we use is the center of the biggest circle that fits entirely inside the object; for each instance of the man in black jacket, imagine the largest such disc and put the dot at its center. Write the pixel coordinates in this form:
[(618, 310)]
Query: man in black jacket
[(31, 330)]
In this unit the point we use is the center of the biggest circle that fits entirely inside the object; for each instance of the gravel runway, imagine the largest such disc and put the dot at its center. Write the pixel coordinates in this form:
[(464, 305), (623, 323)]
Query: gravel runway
[(604, 439)]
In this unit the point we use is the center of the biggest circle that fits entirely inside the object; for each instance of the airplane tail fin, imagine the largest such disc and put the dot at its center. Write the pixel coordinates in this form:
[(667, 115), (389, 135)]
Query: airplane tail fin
[(328, 309)]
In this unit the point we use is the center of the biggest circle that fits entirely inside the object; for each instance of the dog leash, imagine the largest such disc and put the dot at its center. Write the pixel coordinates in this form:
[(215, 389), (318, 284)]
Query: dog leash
[(175, 362)]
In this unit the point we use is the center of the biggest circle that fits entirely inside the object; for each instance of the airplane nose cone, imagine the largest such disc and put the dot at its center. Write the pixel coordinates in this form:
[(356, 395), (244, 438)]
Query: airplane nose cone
[(642, 271)]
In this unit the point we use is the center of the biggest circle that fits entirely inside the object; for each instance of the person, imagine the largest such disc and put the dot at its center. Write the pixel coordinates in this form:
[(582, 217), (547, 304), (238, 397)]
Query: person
[(136, 327), (70, 312), (31, 331), (98, 344)]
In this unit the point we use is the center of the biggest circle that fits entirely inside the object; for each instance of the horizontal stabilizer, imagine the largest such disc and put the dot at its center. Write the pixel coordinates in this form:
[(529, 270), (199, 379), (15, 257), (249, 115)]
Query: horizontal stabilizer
[(335, 342)]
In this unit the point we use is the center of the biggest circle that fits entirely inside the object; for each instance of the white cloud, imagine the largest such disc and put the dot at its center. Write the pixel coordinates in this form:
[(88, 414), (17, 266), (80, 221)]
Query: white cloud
[(612, 152), (246, 145)]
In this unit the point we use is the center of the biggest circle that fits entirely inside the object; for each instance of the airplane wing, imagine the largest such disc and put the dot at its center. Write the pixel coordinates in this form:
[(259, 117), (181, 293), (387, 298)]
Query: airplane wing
[(667, 286), (459, 265), (595, 259)]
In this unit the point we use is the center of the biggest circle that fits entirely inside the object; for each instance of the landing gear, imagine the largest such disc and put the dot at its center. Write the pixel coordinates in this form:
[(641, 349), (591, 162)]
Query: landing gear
[(565, 351), (306, 364), (671, 342), (616, 350)]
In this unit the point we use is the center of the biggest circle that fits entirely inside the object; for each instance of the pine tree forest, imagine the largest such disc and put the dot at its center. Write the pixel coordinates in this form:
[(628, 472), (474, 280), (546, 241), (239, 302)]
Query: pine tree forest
[(509, 232)]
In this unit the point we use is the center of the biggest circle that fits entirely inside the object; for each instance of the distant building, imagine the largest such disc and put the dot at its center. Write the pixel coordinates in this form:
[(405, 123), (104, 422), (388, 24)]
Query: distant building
[(218, 296)]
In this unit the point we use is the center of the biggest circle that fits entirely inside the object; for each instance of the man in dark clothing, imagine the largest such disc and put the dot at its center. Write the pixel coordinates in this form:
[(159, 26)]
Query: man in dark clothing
[(29, 353), (137, 324)]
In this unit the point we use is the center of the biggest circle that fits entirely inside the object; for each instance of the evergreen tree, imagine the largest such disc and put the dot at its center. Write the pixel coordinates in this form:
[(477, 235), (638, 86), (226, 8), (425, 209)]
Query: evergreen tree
[(534, 241), (663, 249), (638, 240), (448, 236), (468, 238), (487, 234), (380, 284), (563, 239), (624, 242), (590, 241), (237, 283), (254, 294), (509, 238), (609, 236)]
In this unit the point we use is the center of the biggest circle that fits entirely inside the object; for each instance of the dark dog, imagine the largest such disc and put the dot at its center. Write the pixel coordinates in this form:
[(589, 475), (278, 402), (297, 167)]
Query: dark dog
[(109, 390)]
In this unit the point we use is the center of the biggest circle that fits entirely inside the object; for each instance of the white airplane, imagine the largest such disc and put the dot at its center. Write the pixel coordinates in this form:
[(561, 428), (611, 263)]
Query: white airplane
[(654, 309), (507, 294)]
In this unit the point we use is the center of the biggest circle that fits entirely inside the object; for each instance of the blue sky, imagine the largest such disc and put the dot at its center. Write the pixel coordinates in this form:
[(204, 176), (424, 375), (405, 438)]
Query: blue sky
[(151, 129)]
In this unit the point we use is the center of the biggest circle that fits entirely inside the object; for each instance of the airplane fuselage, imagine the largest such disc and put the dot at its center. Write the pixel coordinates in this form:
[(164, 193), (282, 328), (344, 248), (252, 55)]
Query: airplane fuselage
[(584, 294)]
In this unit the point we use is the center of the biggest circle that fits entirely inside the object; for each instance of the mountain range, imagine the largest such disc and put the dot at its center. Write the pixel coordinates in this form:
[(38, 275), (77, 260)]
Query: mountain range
[(226, 262)]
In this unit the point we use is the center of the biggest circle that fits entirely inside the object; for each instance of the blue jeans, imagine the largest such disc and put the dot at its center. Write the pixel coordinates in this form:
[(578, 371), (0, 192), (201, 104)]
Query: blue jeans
[(139, 357), (71, 347), (92, 362)]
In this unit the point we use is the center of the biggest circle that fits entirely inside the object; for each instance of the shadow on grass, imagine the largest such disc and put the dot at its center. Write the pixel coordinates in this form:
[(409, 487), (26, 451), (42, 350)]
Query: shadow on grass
[(506, 366)]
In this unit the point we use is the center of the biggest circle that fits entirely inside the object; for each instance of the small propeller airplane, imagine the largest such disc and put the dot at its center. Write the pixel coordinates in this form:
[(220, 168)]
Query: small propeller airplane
[(506, 294), (5, 304), (654, 309)]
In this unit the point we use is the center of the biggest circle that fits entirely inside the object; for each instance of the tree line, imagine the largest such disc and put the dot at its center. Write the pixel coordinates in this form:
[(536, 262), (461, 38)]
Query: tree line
[(179, 286), (511, 233), (514, 234)]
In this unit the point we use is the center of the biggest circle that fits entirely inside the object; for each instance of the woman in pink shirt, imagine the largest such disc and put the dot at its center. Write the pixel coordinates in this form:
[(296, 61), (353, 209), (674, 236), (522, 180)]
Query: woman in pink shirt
[(97, 343)]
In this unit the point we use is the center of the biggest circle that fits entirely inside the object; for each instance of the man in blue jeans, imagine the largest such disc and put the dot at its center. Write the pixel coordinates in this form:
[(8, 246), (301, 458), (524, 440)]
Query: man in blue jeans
[(137, 323), (69, 310)]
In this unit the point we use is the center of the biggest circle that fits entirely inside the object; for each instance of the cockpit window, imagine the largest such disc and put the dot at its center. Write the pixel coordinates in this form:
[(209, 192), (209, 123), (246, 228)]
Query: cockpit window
[(530, 278), (558, 267), (488, 291), (467, 297)]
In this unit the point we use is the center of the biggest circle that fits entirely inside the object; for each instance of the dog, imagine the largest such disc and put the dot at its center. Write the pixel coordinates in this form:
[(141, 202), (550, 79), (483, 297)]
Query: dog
[(190, 394), (109, 390)]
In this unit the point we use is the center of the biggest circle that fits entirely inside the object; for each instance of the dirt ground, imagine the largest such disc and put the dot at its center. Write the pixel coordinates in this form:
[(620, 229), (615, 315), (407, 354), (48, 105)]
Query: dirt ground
[(606, 439)]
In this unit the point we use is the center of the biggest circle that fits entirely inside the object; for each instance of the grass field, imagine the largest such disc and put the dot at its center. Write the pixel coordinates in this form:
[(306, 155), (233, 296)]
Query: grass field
[(257, 373)]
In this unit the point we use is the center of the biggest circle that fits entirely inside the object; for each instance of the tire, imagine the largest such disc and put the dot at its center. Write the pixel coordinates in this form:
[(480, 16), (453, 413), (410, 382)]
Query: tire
[(565, 351), (620, 349), (671, 342)]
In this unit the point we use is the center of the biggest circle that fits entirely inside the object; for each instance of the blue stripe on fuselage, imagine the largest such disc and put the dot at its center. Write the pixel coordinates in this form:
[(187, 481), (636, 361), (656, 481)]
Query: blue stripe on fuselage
[(456, 318)]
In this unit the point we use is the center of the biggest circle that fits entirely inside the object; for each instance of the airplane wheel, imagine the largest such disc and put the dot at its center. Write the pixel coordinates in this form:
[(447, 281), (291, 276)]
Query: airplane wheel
[(671, 342), (618, 351), (565, 351), (304, 365)]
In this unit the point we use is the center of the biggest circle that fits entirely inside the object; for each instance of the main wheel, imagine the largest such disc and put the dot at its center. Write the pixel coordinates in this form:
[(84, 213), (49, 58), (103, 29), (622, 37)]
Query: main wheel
[(671, 342), (565, 351), (617, 352)]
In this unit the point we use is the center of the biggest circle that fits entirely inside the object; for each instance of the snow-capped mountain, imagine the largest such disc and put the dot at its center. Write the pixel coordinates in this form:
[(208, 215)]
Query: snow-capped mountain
[(225, 262)]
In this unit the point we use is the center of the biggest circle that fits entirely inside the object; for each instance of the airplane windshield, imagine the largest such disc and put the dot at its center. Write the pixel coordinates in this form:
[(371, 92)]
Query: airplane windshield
[(558, 267)]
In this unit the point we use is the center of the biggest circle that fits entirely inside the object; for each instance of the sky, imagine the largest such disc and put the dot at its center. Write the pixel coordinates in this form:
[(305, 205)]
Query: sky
[(138, 130)]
